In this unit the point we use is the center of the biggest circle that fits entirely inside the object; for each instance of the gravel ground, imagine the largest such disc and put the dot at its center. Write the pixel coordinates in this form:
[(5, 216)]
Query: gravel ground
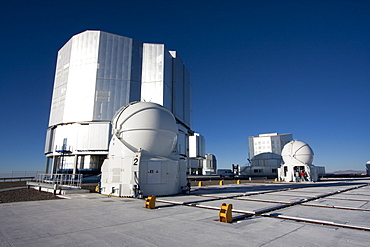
[(4, 185), (21, 195)]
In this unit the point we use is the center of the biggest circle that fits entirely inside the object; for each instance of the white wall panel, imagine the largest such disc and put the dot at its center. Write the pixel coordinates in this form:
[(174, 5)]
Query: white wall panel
[(68, 132), (99, 136), (168, 82), (271, 142), (60, 84), (178, 84), (196, 146), (79, 103), (82, 137), (157, 75), (187, 98), (118, 75), (153, 73), (49, 142)]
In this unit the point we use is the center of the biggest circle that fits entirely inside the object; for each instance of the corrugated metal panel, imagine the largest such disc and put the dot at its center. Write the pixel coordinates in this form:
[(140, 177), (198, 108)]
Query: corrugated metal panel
[(181, 91), (152, 89), (97, 73), (196, 145), (83, 137), (195, 163), (68, 132), (178, 85), (157, 75), (49, 141), (187, 98), (80, 96), (118, 74), (182, 143), (60, 84), (168, 82), (93, 136), (99, 136)]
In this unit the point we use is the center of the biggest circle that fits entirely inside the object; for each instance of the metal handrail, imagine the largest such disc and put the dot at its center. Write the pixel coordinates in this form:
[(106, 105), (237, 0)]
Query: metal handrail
[(16, 178), (70, 180)]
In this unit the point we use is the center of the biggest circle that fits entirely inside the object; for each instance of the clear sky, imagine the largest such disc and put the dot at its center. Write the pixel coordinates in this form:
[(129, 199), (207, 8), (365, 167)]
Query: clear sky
[(289, 66)]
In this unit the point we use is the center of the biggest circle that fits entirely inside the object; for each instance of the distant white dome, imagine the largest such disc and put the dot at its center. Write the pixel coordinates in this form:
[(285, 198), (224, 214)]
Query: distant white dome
[(148, 126), (297, 152), (266, 156)]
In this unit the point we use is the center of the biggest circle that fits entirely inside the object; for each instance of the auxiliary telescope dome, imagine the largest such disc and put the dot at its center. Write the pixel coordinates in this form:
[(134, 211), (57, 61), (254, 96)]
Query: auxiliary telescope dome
[(295, 152), (148, 126)]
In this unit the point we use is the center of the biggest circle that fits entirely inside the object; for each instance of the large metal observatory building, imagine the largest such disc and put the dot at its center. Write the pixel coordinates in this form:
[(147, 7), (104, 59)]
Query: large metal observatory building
[(96, 74)]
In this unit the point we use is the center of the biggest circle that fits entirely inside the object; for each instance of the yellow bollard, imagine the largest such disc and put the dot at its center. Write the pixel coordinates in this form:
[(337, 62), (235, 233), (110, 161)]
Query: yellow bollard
[(221, 182), (200, 183), (226, 213), (238, 181), (150, 202), (276, 179)]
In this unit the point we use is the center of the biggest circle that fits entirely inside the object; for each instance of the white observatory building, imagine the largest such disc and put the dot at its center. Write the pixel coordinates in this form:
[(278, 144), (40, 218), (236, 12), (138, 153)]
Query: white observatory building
[(267, 143), (297, 167), (96, 74), (265, 154), (199, 162), (143, 159)]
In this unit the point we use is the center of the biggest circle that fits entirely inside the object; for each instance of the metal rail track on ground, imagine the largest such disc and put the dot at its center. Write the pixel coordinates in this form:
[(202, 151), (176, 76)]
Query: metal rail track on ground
[(269, 212)]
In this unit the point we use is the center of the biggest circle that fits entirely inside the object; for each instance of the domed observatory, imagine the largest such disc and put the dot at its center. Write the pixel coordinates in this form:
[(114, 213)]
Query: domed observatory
[(297, 166), (143, 159), (368, 168)]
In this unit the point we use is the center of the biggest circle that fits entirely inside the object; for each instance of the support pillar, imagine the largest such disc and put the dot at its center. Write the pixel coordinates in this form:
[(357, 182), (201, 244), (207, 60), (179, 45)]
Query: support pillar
[(75, 165), (48, 160), (55, 165)]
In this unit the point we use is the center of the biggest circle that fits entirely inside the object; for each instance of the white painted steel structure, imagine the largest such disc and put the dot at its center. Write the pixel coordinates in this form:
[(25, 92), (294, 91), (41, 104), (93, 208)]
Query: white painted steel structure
[(199, 162), (209, 164), (267, 143), (195, 166), (197, 146), (96, 74), (143, 158)]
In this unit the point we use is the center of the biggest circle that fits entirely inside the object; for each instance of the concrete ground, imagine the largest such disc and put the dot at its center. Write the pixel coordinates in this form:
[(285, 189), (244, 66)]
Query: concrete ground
[(328, 213)]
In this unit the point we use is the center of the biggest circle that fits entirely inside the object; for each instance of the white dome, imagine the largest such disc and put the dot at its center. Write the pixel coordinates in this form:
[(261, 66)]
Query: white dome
[(297, 152), (148, 126)]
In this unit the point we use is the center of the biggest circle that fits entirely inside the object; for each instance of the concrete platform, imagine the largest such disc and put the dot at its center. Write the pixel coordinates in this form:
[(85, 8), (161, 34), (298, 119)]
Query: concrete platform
[(350, 204), (191, 220), (56, 189)]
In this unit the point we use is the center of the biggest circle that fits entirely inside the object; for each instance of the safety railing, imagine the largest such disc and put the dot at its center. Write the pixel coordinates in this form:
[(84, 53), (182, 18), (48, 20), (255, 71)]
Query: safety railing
[(70, 180), (18, 175)]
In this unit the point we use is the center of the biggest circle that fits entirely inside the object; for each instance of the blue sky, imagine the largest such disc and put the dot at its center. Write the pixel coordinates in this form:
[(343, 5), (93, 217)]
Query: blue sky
[(300, 67)]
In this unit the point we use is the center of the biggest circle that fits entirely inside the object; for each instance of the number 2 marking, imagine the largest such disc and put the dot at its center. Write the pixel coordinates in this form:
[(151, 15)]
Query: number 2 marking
[(135, 161)]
